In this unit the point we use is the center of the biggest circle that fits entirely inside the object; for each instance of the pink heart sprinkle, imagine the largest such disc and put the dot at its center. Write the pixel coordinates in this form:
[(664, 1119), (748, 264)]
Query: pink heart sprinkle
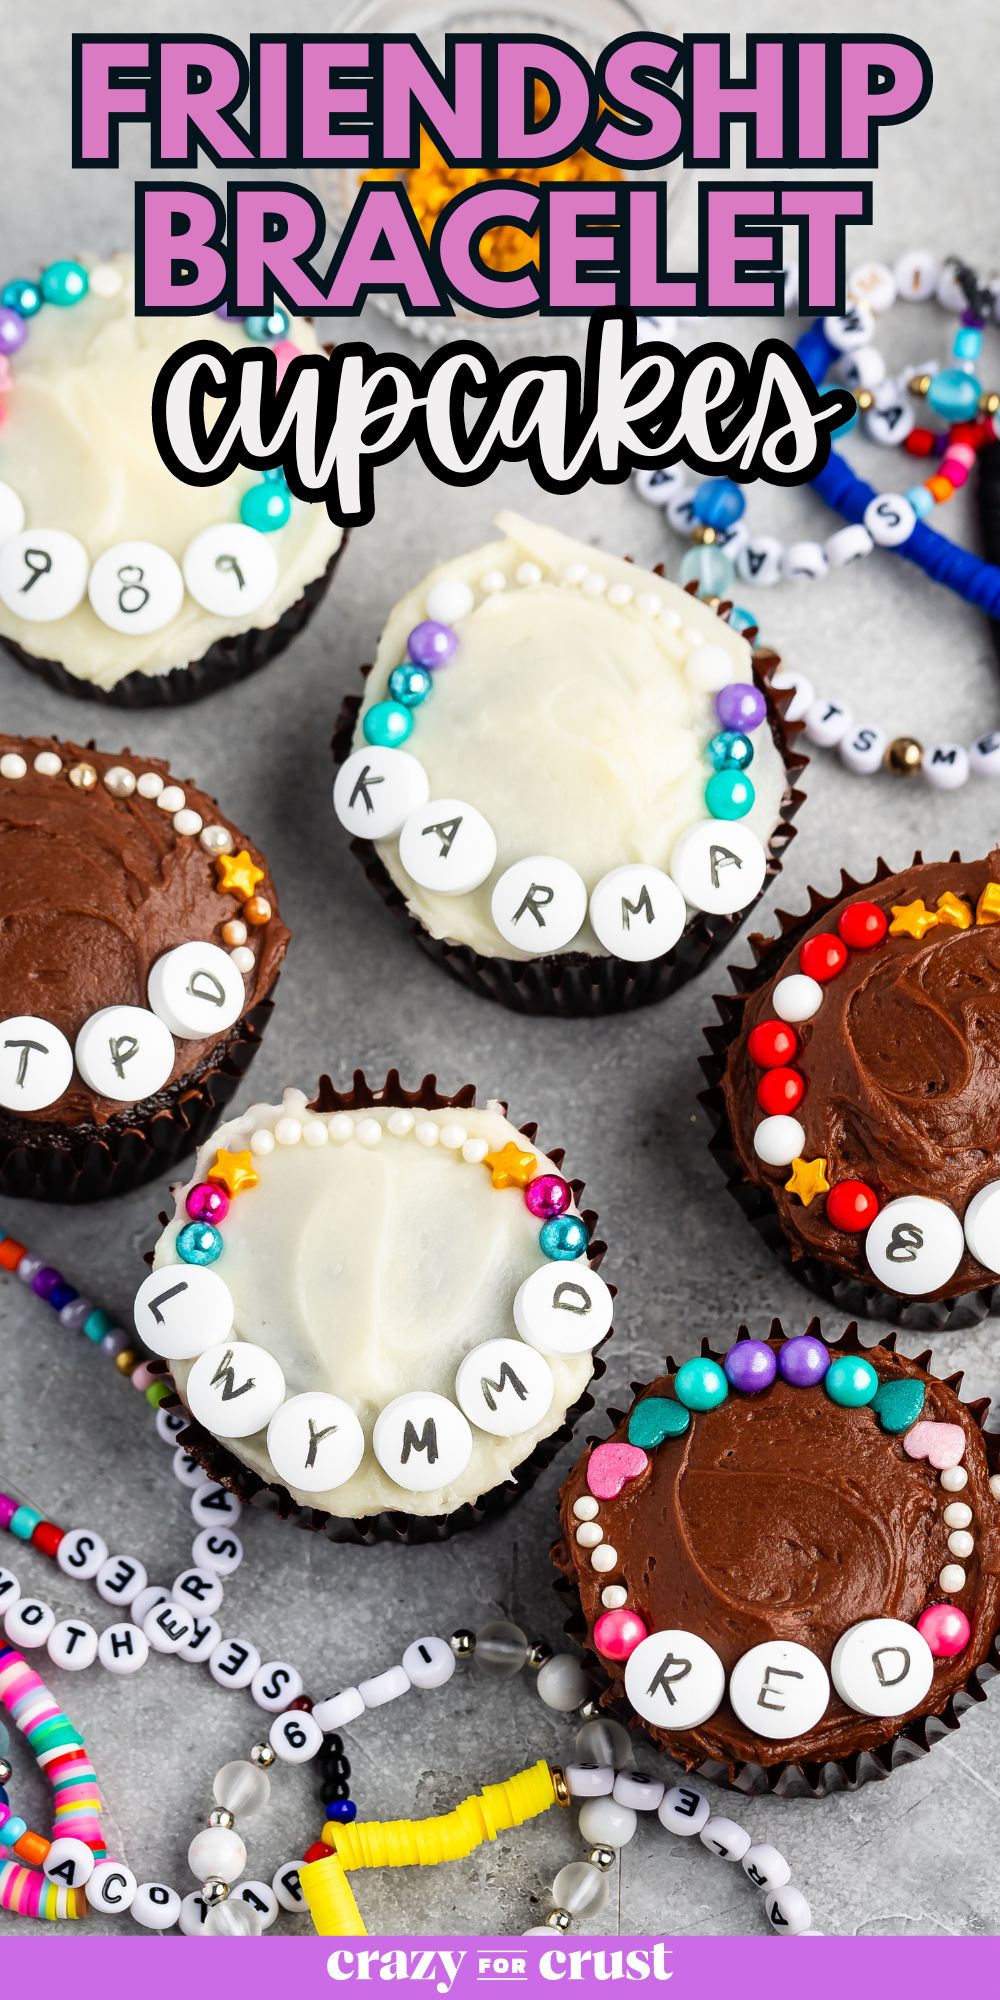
[(941, 1444), (612, 1466)]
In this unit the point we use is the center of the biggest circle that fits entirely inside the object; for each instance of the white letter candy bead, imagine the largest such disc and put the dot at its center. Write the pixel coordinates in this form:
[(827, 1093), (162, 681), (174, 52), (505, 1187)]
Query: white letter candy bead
[(120, 1578), (850, 330), (725, 1837), (315, 1441), (147, 1601), (422, 1441), (181, 1310), (779, 1689), (889, 519), (863, 749), (43, 574), (759, 560), (563, 1308), (638, 912), (674, 1680), (779, 1140), (10, 1589), (275, 1684), (384, 1687), (217, 1549), (29, 1622), (765, 1867), (945, 766), (197, 990), (376, 790), (505, 1387), (339, 1709), (81, 1553), (797, 997), (68, 1862), (539, 904), (826, 722), (448, 846), (916, 274), (155, 1906), (882, 1667), (982, 1227), (428, 1662), (212, 1504), (191, 1922), (125, 1053), (261, 1897), (682, 1810), (233, 1663), (635, 1789), (788, 1911), (235, 1389), (295, 1738), (605, 1823), (590, 1781), (719, 866), (914, 1245), (287, 1887), (136, 587), (36, 1063), (230, 569), (847, 545), (205, 1635), (122, 1649), (167, 1628), (72, 1645), (111, 1889), (803, 562)]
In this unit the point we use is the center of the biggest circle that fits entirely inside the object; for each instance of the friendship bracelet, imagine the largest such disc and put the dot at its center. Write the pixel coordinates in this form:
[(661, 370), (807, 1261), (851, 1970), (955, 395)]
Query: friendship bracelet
[(77, 1838)]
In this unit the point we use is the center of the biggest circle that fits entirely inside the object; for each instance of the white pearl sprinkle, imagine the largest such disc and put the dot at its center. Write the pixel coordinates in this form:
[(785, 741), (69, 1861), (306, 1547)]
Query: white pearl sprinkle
[(961, 1544), (491, 581), (368, 1132), (574, 573), (955, 1477), (958, 1515), (340, 1127), (170, 799), (262, 1142), (527, 573), (475, 1151), (585, 1508), (670, 618), (105, 281), (692, 637), (315, 1132), (216, 840), (293, 1099), (47, 764), (594, 583), (288, 1131), (952, 1578), (649, 603), (994, 1484), (450, 598), (613, 1596), (427, 1133), (400, 1122), (604, 1558), (620, 593), (187, 821), (243, 958), (589, 1533), (453, 1137), (12, 766), (149, 785), (234, 931)]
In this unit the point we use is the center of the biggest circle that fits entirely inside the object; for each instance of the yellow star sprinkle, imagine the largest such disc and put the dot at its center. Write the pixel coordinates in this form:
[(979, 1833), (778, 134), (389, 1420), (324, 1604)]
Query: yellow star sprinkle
[(954, 911), (510, 1167), (238, 875), (233, 1171), (808, 1180), (912, 919), (988, 906)]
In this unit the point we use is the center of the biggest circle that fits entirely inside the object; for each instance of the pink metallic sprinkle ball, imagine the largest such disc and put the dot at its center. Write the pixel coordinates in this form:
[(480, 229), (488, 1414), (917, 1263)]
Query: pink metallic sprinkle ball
[(946, 1630), (548, 1194), (618, 1633), (206, 1203)]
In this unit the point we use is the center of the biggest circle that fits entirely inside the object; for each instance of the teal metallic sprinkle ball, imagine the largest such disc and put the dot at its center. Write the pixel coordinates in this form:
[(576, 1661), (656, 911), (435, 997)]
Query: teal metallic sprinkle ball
[(851, 1382), (701, 1385), (387, 724), (729, 795)]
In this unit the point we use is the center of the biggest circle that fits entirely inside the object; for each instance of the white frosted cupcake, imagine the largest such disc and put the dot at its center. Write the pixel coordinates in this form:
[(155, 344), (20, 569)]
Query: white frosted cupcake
[(380, 1308), (564, 773), (118, 581)]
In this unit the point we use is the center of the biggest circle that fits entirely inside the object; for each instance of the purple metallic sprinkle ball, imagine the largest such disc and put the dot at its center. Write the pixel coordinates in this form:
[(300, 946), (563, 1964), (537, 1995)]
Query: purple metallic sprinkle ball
[(740, 706), (751, 1366), (803, 1361), (431, 644), (13, 331)]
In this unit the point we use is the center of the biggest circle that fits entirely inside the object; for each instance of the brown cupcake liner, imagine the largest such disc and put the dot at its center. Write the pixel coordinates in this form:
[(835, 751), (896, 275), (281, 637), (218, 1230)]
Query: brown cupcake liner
[(849, 1294), (577, 984), (92, 1162), (789, 1779), (232, 658), (396, 1525)]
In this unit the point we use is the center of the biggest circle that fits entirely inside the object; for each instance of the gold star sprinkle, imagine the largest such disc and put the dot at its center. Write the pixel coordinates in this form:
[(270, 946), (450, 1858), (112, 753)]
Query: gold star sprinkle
[(912, 919), (808, 1180), (510, 1167), (233, 1171), (953, 910), (988, 906), (237, 874)]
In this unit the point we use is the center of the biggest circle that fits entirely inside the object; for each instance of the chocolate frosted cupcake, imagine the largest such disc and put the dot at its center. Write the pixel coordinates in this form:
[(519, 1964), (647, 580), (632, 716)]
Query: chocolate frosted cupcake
[(854, 1087), (118, 581), (564, 774), (139, 944), (380, 1308), (788, 1560)]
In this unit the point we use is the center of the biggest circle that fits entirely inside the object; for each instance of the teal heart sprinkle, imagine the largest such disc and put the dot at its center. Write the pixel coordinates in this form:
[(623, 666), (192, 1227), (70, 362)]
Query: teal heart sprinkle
[(657, 1418), (897, 1405)]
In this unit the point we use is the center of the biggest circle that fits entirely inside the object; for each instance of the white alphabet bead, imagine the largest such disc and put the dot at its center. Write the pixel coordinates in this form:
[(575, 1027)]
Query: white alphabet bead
[(760, 560), (182, 1310), (72, 1645), (448, 846), (10, 1589), (233, 1663), (863, 749), (765, 1867), (635, 1789), (169, 1422), (826, 722), (890, 519), (261, 1897), (605, 1823), (315, 1441), (505, 1387), (235, 1389), (155, 1906), (197, 990), (122, 1649), (679, 509), (186, 1469), (779, 1140), (725, 1837), (916, 275), (422, 1441), (212, 1504), (590, 1781), (788, 1911), (36, 1063), (136, 587), (683, 1810), (287, 1887), (43, 574), (81, 1553), (984, 755), (111, 1889), (538, 905), (428, 1663), (147, 1601), (847, 545), (889, 422), (205, 1636), (120, 1578), (275, 1684), (803, 693), (68, 1862), (230, 569), (797, 997), (376, 790), (191, 1921), (167, 1627), (656, 483), (295, 1738), (850, 330), (864, 370), (982, 1226), (385, 1687), (779, 1689), (339, 1709), (945, 766), (126, 1053), (882, 1667), (803, 562), (914, 1245), (563, 1309), (217, 1549), (11, 513), (719, 866), (198, 1590), (674, 1679), (638, 912), (29, 1622)]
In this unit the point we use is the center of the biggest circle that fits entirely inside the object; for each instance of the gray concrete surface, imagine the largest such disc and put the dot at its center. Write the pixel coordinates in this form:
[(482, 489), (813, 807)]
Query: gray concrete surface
[(913, 1854)]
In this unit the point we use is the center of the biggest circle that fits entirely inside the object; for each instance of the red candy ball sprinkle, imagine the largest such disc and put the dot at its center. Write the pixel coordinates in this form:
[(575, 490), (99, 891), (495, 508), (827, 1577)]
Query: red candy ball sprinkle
[(823, 957), (851, 1205), (780, 1091), (862, 926), (771, 1043)]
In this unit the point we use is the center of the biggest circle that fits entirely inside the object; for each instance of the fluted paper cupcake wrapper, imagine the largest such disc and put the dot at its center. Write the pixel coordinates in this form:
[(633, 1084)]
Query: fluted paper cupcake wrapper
[(231, 658), (397, 1525), (851, 1294), (790, 1779), (576, 984), (92, 1162)]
